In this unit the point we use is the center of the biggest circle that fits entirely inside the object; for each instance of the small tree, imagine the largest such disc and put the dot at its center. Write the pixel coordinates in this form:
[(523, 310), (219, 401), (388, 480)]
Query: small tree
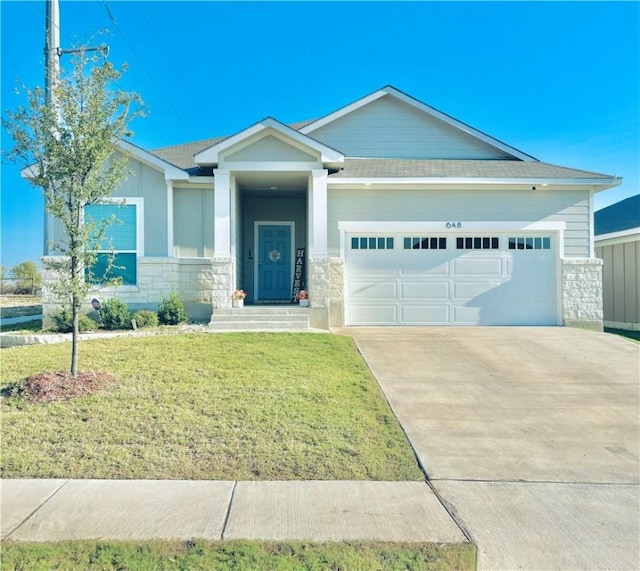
[(28, 277), (68, 151)]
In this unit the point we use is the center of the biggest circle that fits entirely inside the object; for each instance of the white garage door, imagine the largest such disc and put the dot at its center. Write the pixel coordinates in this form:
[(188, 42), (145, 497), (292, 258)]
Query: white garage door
[(458, 279)]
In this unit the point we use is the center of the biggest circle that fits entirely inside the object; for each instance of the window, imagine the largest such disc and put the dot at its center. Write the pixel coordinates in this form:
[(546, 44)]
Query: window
[(371, 243), (529, 243), (118, 245), (425, 243), (477, 243)]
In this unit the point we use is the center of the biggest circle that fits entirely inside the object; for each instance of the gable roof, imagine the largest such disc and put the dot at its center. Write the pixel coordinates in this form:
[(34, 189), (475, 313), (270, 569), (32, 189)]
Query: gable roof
[(623, 215), (390, 91), (211, 155)]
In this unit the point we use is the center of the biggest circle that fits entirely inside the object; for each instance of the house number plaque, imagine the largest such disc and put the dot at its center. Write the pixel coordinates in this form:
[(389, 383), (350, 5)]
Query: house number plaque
[(453, 224)]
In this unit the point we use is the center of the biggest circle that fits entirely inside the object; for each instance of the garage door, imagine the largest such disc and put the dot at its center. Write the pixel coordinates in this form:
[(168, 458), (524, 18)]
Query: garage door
[(456, 279)]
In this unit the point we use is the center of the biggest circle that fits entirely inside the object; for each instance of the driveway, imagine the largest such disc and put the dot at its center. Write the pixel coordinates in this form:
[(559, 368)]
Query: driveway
[(529, 434)]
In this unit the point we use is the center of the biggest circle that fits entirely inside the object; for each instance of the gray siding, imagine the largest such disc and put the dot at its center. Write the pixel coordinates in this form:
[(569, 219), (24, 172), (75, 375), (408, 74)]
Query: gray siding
[(192, 222), (391, 128), (270, 148), (274, 209), (571, 207), (621, 276), (149, 184)]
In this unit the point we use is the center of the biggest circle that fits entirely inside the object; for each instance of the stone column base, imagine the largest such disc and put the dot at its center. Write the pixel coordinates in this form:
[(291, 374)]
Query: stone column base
[(582, 293)]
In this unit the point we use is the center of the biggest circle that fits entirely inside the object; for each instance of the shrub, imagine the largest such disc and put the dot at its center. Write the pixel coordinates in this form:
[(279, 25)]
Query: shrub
[(171, 310), (115, 314), (146, 318), (63, 322)]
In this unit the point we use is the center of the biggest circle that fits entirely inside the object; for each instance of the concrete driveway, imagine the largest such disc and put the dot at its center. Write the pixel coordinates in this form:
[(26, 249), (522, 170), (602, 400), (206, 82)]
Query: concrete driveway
[(530, 435)]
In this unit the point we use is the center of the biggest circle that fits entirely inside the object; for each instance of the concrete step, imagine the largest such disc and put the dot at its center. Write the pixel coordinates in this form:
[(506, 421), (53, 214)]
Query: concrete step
[(264, 310), (258, 325), (260, 318), (240, 316)]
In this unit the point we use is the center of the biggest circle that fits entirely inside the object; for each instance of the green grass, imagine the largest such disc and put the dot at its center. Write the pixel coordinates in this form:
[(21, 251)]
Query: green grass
[(201, 406), (627, 333), (236, 556)]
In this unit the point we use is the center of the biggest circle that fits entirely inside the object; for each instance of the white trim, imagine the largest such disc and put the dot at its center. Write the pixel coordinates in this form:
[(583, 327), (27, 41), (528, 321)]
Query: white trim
[(428, 110), (211, 155), (318, 216), (256, 251), (222, 215), (597, 183), (170, 221), (360, 226), (592, 248), (617, 237), (262, 166), (171, 172)]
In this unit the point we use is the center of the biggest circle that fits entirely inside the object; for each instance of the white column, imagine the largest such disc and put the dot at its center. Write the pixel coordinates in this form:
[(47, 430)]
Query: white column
[(318, 214), (170, 219), (222, 215)]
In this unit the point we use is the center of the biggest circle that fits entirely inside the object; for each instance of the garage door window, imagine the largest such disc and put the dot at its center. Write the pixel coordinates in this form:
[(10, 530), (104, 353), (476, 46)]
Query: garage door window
[(425, 243), (371, 243), (529, 243), (477, 243)]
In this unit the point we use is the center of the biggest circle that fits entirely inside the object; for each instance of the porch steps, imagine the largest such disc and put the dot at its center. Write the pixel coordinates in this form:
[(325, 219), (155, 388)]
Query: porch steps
[(261, 318)]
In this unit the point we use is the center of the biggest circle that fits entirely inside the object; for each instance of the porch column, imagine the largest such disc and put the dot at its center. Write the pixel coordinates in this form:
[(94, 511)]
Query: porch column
[(318, 214), (222, 215)]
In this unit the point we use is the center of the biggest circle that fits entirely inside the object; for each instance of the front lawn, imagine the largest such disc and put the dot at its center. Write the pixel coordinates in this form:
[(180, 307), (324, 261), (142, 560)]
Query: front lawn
[(237, 556), (245, 406)]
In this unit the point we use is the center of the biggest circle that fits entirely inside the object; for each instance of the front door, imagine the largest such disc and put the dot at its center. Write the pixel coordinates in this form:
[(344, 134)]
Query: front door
[(274, 262)]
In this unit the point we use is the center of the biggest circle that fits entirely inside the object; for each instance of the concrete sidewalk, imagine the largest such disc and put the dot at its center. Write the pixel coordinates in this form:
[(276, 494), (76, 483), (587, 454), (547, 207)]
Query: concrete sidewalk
[(56, 510)]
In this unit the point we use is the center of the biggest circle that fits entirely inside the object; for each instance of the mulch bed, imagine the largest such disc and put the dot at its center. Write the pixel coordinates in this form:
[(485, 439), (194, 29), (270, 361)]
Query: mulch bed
[(60, 385)]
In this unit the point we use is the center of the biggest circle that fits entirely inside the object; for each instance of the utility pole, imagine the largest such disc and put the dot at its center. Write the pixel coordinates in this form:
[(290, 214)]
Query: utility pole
[(52, 53)]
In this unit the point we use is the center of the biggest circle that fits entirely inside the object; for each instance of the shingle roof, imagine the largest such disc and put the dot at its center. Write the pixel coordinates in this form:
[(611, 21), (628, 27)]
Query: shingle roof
[(457, 168), (620, 216)]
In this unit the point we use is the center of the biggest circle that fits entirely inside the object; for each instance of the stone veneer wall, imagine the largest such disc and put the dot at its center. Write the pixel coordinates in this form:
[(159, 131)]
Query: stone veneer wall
[(582, 293), (190, 278), (319, 294), (336, 292), (220, 284)]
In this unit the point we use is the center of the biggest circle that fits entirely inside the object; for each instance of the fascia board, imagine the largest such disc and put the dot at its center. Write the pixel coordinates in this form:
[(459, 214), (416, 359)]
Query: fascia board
[(617, 237), (389, 90), (342, 112), (171, 172), (602, 184)]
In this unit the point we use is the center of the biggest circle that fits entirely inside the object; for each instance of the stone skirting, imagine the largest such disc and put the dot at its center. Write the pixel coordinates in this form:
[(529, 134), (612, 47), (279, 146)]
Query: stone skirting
[(582, 293)]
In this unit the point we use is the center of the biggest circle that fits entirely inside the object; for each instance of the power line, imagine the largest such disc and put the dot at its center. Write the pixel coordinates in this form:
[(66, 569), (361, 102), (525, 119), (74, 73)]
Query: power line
[(134, 51), (175, 69)]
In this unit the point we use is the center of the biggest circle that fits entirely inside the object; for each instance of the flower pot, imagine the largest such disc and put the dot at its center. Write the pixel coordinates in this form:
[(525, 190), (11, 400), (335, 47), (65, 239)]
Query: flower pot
[(304, 303), (238, 302)]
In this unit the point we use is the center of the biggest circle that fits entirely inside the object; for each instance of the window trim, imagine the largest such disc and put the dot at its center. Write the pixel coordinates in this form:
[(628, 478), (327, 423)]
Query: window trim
[(138, 202)]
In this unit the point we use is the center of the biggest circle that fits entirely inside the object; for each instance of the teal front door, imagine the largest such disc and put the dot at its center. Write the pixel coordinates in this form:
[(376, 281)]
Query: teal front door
[(274, 262)]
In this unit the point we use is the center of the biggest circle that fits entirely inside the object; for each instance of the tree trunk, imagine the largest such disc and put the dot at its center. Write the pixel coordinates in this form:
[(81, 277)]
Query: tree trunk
[(75, 311)]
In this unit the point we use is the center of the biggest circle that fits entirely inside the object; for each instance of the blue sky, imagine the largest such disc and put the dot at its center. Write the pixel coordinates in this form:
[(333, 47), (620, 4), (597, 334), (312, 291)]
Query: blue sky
[(557, 80)]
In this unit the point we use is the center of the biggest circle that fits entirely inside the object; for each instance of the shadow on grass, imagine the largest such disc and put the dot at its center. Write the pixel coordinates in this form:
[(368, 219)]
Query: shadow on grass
[(627, 333)]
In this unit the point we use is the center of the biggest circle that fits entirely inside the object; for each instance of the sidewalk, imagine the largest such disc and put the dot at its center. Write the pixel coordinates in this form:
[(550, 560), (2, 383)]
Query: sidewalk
[(56, 510)]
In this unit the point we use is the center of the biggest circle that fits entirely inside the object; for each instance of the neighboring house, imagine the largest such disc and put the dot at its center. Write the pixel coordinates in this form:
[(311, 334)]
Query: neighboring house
[(617, 239), (406, 216)]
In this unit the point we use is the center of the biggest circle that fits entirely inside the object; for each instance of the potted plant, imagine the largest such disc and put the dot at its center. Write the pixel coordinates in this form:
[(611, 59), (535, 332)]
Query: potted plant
[(238, 298), (303, 298)]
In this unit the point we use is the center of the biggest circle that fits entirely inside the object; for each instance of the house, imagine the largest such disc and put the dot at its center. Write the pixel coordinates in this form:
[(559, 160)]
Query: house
[(617, 241), (387, 211)]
